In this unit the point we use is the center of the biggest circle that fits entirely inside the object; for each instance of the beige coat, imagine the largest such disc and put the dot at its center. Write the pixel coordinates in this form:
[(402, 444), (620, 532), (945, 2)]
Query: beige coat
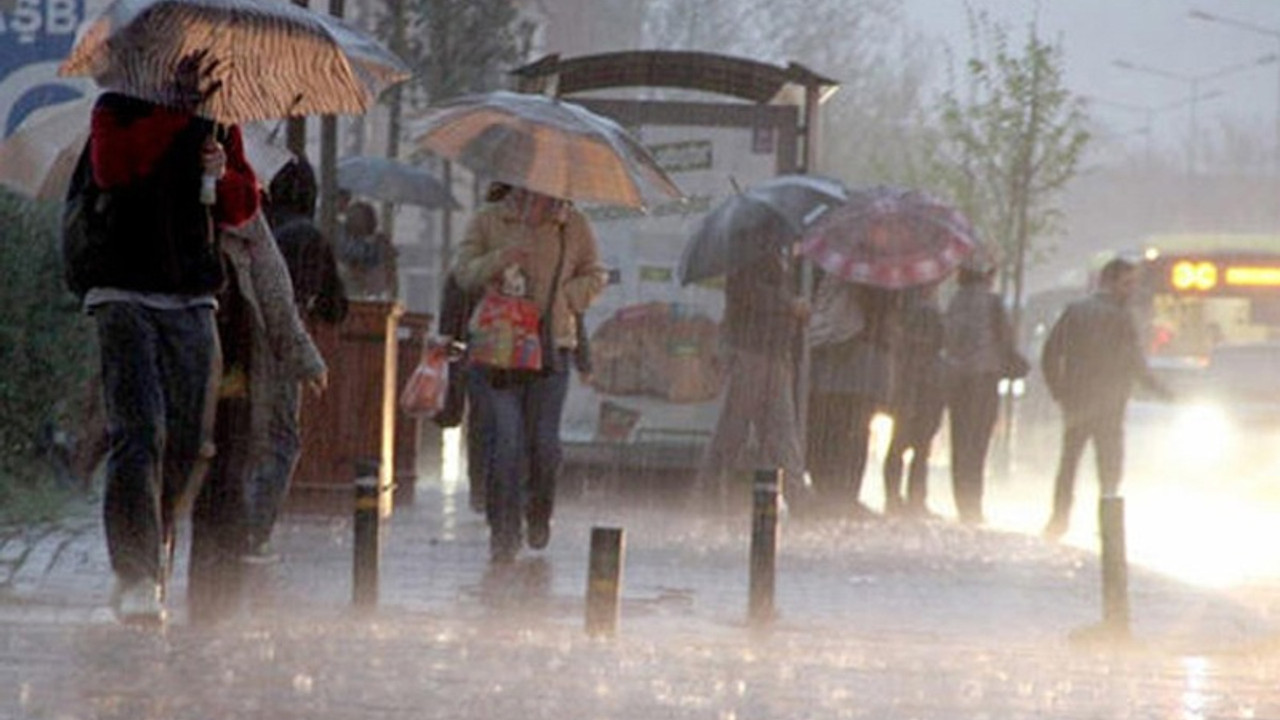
[(497, 227)]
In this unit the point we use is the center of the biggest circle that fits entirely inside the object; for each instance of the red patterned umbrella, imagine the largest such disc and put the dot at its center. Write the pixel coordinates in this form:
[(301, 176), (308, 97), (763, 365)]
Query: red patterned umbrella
[(891, 238)]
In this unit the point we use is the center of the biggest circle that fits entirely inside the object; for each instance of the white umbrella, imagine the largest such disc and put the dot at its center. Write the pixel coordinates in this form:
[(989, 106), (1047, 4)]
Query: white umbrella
[(38, 159)]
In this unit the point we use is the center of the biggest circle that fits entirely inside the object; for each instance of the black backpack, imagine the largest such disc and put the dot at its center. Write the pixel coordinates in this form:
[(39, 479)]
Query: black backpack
[(86, 220)]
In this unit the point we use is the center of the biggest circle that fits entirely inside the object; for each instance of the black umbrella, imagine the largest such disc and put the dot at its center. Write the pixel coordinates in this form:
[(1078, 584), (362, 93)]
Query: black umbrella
[(757, 221)]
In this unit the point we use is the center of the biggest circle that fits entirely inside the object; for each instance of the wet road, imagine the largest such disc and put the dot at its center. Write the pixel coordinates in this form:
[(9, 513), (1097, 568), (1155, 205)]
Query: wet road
[(887, 619)]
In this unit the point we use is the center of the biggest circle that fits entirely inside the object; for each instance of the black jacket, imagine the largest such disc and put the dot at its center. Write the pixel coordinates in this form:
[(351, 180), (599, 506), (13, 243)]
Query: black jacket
[(1092, 358), (152, 235)]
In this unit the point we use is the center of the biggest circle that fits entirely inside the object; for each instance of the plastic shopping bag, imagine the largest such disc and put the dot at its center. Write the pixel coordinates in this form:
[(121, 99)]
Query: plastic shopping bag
[(425, 391)]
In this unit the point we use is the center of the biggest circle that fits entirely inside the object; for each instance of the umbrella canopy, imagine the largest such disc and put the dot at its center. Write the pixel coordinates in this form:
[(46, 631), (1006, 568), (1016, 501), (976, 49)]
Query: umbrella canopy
[(547, 145), (39, 158), (891, 238), (392, 181), (258, 59), (762, 219)]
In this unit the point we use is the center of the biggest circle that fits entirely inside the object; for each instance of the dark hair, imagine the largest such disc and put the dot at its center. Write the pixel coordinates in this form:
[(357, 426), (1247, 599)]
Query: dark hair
[(975, 276), (497, 191), (293, 188), (1114, 269)]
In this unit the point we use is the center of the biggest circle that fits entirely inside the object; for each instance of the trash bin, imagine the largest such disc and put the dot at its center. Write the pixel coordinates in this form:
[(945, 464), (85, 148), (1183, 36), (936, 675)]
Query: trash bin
[(355, 418)]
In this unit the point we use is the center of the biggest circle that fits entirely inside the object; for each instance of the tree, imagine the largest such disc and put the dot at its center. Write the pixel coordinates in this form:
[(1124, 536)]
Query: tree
[(1010, 144), (455, 47), (45, 343), (870, 126)]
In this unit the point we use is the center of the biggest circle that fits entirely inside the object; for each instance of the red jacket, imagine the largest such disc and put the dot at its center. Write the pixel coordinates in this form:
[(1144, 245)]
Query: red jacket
[(126, 148)]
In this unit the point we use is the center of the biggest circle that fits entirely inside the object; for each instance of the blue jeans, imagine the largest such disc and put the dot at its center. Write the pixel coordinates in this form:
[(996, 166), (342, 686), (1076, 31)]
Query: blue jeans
[(156, 372), (478, 432), (524, 423)]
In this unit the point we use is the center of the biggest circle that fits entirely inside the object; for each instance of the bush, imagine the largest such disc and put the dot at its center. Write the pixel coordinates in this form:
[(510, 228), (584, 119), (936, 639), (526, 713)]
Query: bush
[(46, 349)]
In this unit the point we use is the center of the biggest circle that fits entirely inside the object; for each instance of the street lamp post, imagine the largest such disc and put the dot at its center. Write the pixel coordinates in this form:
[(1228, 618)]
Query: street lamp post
[(1149, 113), (1274, 34), (1194, 97)]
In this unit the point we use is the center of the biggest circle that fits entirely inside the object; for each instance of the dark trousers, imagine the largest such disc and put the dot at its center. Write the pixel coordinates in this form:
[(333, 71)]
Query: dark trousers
[(477, 429), (524, 440), (913, 429), (1106, 430), (838, 439), (156, 372), (973, 403)]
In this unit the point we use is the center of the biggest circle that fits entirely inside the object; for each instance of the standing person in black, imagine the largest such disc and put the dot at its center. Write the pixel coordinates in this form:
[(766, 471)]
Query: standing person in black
[(916, 403), (1090, 361), (852, 336), (977, 335)]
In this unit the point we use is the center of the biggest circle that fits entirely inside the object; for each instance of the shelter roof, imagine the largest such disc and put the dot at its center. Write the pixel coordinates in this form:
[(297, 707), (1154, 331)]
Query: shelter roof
[(737, 77)]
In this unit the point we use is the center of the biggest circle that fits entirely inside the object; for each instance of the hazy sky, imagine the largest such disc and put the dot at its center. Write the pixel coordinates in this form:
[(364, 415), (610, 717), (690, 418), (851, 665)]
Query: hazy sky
[(1159, 34)]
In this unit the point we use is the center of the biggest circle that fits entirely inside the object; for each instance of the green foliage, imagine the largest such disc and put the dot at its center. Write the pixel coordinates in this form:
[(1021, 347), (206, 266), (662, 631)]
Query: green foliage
[(1011, 142), (45, 344)]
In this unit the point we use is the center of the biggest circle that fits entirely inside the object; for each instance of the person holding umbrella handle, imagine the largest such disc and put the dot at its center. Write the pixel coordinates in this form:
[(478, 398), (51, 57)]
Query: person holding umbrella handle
[(149, 278)]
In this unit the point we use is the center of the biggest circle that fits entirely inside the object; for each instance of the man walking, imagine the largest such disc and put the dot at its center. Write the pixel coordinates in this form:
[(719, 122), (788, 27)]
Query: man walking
[(1090, 362), (150, 285)]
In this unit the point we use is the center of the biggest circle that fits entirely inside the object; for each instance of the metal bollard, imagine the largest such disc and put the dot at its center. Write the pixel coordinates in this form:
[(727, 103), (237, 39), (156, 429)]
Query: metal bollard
[(364, 575), (764, 547), (604, 581), (1115, 567)]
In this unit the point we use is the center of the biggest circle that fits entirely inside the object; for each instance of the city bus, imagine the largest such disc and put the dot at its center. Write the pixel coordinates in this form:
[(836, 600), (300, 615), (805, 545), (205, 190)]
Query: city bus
[(1208, 309), (1203, 291)]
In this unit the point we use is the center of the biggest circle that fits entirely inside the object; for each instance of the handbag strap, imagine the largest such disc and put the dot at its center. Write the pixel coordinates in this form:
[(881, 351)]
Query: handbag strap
[(555, 279)]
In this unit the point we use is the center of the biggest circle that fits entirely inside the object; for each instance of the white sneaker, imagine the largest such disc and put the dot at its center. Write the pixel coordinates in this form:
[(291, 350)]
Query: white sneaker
[(138, 603)]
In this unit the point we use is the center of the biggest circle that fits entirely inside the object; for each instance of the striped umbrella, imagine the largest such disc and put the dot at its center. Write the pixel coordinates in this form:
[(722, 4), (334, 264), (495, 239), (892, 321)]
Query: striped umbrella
[(891, 238), (548, 145), (257, 59)]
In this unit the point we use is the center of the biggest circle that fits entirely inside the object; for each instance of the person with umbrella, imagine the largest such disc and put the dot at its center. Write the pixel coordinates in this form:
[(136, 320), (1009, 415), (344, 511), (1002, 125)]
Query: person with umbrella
[(366, 255), (883, 241), (149, 283), (551, 244), (916, 403), (762, 316), (852, 339)]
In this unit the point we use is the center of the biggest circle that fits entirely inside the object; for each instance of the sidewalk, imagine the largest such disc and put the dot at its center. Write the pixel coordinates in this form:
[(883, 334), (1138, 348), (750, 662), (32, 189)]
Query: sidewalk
[(879, 619)]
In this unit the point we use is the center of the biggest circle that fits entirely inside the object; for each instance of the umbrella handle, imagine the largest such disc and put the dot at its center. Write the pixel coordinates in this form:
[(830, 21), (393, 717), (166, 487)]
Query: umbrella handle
[(209, 182)]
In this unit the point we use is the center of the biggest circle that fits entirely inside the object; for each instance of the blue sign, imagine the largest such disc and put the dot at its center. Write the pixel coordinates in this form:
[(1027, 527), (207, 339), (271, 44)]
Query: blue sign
[(35, 36)]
